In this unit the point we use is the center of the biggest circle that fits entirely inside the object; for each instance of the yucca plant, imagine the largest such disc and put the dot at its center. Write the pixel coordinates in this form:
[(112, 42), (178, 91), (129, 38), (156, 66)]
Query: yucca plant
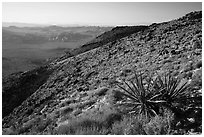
[(149, 98), (181, 101), (174, 92), (141, 99)]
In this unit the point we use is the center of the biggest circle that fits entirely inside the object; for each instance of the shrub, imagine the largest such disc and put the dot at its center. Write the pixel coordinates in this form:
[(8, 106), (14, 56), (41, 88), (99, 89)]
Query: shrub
[(160, 125), (92, 131), (92, 122), (136, 126), (140, 125), (101, 91), (111, 118), (141, 99), (150, 97), (118, 128), (172, 90), (153, 97), (115, 95), (130, 125), (75, 125), (9, 131)]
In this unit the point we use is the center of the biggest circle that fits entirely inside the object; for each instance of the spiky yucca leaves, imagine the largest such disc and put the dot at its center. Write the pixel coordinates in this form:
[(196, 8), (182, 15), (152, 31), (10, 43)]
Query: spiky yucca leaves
[(173, 90), (141, 99), (180, 99), (151, 97)]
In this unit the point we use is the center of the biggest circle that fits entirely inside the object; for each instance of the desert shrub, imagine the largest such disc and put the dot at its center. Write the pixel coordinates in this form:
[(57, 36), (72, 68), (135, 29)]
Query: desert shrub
[(183, 101), (141, 125), (92, 131), (141, 99), (152, 97), (111, 119), (65, 130), (29, 125), (172, 90), (9, 131), (117, 95), (118, 128), (36, 125), (106, 116), (160, 125), (77, 125), (22, 130), (101, 91), (91, 122), (136, 126)]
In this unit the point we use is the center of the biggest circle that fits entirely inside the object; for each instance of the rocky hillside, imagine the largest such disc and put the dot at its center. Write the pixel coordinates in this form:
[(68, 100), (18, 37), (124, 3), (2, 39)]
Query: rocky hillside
[(13, 91), (83, 86), (109, 36)]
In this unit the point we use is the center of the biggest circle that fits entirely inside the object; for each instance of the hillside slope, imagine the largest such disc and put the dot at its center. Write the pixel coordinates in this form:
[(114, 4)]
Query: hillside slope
[(15, 92), (109, 36), (84, 85)]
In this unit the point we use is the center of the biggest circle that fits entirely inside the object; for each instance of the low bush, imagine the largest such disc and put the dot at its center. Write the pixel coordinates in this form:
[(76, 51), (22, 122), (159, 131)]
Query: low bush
[(141, 125), (75, 125), (92, 131), (92, 122), (160, 125), (150, 97)]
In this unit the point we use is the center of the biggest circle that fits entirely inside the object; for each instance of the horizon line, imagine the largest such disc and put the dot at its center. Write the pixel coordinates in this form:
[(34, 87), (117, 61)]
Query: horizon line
[(74, 24)]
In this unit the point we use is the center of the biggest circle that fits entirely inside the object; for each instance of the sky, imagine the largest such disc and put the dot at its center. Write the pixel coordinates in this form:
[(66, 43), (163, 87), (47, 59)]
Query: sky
[(90, 13)]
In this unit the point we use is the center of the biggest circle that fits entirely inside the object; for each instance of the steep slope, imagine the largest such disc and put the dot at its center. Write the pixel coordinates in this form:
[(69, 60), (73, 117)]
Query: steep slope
[(15, 92), (17, 87), (109, 36), (84, 85)]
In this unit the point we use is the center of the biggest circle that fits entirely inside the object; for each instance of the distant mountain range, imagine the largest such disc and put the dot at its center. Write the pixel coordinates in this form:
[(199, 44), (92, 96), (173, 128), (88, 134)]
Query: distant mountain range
[(39, 34), (17, 24)]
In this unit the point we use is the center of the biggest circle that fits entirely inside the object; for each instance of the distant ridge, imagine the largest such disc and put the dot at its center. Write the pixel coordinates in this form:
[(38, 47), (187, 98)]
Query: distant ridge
[(17, 24)]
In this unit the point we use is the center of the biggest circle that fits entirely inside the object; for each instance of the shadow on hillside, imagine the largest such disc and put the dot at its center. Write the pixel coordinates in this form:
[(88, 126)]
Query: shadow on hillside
[(19, 86)]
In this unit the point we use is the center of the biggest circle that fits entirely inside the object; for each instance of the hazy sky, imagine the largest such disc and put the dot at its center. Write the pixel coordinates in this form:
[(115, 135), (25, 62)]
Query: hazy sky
[(95, 13)]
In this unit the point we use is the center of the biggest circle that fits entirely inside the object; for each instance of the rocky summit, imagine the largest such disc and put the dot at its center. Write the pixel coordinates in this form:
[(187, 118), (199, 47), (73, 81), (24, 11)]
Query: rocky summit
[(52, 99)]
